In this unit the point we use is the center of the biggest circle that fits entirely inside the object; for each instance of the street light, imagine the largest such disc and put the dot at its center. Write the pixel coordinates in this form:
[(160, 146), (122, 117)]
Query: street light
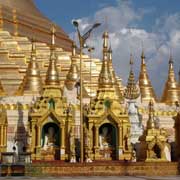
[(82, 41)]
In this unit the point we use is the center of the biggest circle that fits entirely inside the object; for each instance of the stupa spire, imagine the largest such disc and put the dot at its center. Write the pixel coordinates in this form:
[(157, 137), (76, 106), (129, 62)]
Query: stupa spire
[(131, 91), (146, 89), (150, 122), (52, 76), (32, 83), (171, 92), (73, 73), (105, 77)]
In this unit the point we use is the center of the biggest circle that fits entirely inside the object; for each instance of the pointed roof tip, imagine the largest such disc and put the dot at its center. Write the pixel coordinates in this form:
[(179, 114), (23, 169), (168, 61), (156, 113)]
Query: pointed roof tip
[(131, 61), (53, 34), (105, 38), (73, 48), (170, 58), (143, 54)]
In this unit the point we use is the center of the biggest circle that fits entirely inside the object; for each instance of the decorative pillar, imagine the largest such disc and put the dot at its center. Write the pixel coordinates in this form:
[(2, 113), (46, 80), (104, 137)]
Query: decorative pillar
[(5, 136), (91, 136), (33, 138), (96, 136), (62, 137), (38, 136), (62, 150), (2, 135), (121, 137)]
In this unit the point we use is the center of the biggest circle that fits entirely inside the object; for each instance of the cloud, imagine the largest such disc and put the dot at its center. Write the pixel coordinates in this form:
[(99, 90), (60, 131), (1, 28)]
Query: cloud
[(125, 39)]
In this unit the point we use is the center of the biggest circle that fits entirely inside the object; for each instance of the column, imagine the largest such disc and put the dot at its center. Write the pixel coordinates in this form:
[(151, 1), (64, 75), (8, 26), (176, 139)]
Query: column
[(5, 136), (62, 136), (2, 135), (91, 137), (33, 138), (121, 137), (96, 136), (38, 136)]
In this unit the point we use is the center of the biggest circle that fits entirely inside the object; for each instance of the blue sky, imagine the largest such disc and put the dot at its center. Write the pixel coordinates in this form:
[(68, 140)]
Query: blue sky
[(63, 11), (153, 23)]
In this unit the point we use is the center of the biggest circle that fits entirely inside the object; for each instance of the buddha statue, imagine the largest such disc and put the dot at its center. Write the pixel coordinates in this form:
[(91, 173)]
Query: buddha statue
[(105, 139), (49, 139), (105, 142)]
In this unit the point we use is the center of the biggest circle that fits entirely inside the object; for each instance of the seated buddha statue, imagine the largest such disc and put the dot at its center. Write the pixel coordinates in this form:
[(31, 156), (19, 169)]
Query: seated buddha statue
[(49, 139), (105, 142), (48, 149)]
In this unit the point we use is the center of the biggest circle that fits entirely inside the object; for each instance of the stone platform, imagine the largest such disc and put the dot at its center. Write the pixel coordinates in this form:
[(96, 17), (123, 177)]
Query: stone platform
[(102, 169)]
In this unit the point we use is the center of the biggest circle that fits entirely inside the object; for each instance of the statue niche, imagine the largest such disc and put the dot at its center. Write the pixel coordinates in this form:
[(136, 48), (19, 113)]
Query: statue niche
[(107, 141), (50, 141)]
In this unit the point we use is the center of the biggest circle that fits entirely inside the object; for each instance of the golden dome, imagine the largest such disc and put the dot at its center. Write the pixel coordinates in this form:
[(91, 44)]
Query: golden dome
[(23, 16)]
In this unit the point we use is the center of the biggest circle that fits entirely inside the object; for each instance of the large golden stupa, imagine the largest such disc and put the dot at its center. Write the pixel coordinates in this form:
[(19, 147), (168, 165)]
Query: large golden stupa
[(40, 98)]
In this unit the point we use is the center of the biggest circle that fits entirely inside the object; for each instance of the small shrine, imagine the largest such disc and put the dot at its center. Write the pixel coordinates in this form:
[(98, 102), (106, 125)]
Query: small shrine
[(50, 118), (108, 126), (154, 141)]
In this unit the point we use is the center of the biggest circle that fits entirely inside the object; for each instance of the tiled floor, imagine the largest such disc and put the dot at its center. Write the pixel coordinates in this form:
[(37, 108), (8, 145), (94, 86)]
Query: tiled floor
[(94, 178)]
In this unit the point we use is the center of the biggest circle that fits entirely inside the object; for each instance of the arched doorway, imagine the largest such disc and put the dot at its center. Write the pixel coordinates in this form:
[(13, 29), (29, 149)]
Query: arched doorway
[(50, 140), (157, 151), (108, 141)]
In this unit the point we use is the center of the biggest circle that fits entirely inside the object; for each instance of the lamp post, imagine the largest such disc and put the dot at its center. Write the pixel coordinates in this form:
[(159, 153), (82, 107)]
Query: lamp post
[(82, 41)]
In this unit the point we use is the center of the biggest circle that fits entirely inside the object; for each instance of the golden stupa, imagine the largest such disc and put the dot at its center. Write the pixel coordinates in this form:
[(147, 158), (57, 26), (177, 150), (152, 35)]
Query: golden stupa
[(40, 102)]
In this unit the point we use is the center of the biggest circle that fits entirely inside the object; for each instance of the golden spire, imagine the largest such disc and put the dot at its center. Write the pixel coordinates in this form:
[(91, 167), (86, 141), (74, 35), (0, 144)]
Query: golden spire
[(52, 76), (32, 83), (15, 22), (73, 74), (171, 93), (150, 122), (131, 91), (112, 72), (146, 89), (105, 78)]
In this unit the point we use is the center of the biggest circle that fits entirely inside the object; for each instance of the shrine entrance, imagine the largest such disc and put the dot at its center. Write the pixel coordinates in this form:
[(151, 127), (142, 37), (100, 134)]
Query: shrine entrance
[(157, 151), (50, 142), (107, 141)]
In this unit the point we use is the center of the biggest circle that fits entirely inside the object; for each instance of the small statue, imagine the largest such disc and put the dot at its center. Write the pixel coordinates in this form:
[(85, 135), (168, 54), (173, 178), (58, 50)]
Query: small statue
[(49, 140), (133, 156), (105, 139), (72, 147), (167, 152), (88, 146)]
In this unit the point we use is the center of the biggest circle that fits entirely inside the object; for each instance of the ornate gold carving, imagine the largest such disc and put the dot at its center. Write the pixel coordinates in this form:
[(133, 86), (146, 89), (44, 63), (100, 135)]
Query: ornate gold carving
[(131, 91)]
